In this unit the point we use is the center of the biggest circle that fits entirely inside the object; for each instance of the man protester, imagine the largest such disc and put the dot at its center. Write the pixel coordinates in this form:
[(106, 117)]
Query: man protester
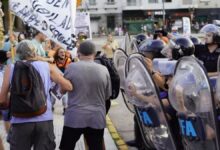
[(38, 40), (86, 103), (32, 131)]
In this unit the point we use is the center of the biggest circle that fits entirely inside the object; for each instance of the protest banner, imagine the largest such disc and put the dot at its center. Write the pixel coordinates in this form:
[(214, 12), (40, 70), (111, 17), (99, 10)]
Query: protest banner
[(54, 18), (186, 26), (55, 91), (82, 24)]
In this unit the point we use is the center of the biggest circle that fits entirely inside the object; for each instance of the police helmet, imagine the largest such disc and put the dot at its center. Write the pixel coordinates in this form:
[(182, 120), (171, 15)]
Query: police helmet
[(139, 38), (182, 47), (195, 40), (211, 28), (153, 46)]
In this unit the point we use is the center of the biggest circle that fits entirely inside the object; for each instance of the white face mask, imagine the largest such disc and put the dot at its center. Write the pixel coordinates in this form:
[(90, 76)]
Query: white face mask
[(209, 38)]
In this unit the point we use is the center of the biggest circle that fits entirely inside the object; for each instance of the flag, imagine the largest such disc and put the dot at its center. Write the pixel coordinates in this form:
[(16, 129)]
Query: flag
[(54, 18)]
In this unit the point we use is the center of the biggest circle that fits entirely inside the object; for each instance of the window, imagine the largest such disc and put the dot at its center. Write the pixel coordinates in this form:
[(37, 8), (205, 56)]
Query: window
[(131, 2), (110, 1), (111, 22), (187, 2), (92, 2), (153, 1)]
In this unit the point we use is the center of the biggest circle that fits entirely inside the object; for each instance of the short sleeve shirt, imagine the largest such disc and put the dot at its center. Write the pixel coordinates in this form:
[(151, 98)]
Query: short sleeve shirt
[(91, 88)]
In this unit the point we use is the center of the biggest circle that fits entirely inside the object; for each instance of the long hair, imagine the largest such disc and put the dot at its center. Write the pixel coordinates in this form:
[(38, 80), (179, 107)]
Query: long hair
[(56, 57)]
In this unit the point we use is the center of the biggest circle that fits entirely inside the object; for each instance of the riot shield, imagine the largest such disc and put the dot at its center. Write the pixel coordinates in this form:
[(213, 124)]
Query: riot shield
[(127, 42), (190, 93), (119, 60), (144, 95), (132, 47)]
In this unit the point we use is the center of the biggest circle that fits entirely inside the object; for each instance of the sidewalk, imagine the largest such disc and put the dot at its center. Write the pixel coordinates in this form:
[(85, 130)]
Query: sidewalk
[(58, 126)]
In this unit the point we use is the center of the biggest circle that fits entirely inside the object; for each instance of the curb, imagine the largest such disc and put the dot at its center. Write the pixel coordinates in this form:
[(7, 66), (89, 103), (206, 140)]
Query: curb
[(120, 143)]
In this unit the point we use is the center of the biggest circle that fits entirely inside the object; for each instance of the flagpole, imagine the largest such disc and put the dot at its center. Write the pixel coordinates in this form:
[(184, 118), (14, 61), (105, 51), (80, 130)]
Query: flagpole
[(11, 25)]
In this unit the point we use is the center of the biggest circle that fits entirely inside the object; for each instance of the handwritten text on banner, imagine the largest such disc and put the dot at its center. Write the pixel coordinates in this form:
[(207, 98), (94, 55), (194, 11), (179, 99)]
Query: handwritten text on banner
[(54, 18)]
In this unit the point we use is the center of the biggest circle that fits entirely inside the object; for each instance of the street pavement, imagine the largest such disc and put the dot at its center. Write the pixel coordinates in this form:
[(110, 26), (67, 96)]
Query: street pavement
[(122, 119), (58, 127)]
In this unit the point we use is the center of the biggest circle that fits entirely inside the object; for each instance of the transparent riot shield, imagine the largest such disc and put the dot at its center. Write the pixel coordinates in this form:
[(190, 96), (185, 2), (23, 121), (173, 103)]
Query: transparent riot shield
[(119, 59), (143, 94), (127, 41), (217, 93), (190, 93), (132, 47)]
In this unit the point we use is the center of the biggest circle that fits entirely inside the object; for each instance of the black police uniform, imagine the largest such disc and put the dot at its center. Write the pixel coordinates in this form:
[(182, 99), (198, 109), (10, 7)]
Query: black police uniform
[(210, 60)]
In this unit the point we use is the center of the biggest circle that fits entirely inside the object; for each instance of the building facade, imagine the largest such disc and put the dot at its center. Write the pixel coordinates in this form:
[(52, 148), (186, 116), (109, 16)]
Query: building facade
[(105, 15), (108, 14), (207, 11), (111, 13)]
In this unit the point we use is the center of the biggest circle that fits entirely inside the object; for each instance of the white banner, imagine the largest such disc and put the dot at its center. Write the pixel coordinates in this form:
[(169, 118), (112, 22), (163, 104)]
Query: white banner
[(82, 24), (54, 18), (186, 26)]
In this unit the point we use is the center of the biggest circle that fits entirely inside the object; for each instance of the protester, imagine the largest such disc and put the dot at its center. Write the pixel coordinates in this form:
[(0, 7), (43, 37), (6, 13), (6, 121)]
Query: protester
[(21, 37), (110, 46), (32, 131), (54, 47), (86, 103), (38, 40), (61, 60)]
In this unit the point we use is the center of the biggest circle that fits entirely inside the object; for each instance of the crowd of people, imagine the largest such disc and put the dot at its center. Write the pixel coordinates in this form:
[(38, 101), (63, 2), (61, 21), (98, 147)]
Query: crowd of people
[(174, 46), (74, 72)]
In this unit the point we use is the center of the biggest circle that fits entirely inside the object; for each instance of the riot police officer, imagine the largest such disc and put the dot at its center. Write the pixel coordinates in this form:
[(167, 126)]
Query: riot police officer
[(135, 43), (150, 49), (178, 48), (209, 52), (139, 38)]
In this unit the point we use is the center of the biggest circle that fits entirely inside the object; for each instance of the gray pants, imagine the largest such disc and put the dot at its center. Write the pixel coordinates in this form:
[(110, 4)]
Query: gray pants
[(40, 135)]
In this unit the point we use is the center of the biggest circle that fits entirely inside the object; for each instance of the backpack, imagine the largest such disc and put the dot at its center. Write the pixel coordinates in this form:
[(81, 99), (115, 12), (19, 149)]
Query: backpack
[(28, 98), (115, 79)]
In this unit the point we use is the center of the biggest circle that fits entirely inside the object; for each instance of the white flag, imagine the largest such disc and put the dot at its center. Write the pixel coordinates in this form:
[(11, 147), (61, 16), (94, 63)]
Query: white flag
[(54, 18)]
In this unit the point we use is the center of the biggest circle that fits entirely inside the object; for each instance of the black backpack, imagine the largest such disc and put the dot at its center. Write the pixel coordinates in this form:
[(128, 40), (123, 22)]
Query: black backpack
[(28, 98), (115, 79)]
